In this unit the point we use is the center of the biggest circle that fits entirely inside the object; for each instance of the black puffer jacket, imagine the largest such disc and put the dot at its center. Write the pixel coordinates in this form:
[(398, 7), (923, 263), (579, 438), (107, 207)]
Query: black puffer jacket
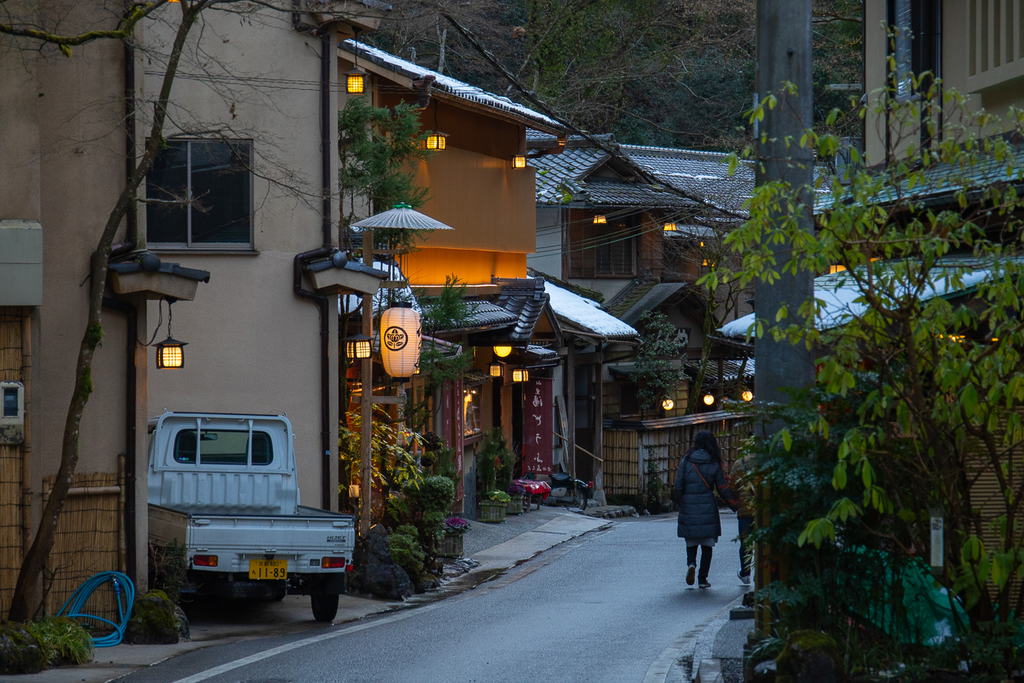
[(698, 508)]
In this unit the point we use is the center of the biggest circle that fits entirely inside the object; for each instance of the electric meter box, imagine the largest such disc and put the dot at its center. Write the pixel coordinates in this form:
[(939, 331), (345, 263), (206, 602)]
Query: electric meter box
[(12, 413)]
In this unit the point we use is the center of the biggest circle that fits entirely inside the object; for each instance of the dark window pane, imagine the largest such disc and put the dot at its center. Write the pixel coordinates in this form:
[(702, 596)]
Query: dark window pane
[(10, 402), (167, 181), (185, 446), (220, 193), (262, 450)]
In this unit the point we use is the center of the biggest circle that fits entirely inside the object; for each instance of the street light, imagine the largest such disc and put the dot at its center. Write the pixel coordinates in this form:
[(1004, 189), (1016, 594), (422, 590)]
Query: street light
[(502, 351), (519, 161), (355, 82), (520, 375), (170, 353), (668, 404), (747, 395), (358, 347), (709, 400)]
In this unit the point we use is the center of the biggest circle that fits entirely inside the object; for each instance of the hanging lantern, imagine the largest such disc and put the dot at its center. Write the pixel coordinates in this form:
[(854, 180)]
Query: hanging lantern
[(502, 351), (400, 339), (670, 227), (600, 219), (668, 404), (496, 369), (358, 347), (520, 374), (747, 395), (170, 354), (519, 161), (435, 141), (709, 399), (355, 82)]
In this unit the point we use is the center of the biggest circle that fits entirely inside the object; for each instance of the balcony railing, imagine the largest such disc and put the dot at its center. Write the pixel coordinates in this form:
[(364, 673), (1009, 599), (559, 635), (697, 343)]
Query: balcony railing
[(995, 42)]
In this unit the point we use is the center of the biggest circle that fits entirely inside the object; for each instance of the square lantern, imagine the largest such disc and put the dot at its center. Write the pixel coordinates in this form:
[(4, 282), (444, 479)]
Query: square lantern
[(355, 82), (496, 369), (170, 354), (670, 227), (519, 161), (358, 347), (600, 219), (520, 375)]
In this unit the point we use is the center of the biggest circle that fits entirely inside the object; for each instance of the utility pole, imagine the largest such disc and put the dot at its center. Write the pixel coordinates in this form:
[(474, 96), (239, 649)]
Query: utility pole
[(783, 57)]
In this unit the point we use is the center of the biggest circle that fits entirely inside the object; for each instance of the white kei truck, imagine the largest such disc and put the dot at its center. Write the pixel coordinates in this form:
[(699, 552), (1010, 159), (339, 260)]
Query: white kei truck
[(224, 486)]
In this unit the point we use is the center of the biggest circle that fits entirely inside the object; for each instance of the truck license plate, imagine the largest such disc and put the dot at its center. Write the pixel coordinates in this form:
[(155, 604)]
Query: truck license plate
[(268, 569)]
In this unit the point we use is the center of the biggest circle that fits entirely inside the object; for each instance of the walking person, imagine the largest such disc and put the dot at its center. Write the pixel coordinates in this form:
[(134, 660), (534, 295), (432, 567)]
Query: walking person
[(698, 478), (740, 482)]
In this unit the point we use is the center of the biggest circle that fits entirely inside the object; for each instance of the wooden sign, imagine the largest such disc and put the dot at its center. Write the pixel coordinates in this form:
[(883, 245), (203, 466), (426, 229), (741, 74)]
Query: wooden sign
[(538, 426)]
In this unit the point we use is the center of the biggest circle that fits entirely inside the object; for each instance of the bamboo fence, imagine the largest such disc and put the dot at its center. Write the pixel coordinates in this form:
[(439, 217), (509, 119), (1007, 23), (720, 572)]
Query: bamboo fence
[(10, 468)]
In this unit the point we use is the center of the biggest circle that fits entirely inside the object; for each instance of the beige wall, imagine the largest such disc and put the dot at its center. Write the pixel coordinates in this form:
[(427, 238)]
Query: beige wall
[(992, 79), (253, 344)]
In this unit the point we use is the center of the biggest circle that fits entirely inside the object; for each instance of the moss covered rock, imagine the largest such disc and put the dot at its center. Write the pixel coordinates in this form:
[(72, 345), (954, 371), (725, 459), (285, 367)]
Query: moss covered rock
[(21, 650), (153, 621), (810, 657)]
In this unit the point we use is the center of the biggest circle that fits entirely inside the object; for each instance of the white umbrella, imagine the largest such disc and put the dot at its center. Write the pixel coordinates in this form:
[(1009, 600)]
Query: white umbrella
[(402, 217)]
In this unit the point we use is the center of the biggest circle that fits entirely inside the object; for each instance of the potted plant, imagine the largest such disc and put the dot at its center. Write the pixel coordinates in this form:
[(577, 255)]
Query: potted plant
[(515, 506), (451, 543), (493, 505)]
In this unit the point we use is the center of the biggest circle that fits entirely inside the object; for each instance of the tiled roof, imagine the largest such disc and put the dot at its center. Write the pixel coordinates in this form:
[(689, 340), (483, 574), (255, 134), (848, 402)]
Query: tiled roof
[(555, 170), (586, 316), (628, 296), (133, 263), (700, 174), (450, 85), (484, 314), (618, 193), (524, 298), (730, 370)]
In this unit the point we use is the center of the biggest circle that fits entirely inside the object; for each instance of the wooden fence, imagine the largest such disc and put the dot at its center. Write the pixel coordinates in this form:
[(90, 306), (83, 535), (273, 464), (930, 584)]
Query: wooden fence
[(631, 448), (11, 502)]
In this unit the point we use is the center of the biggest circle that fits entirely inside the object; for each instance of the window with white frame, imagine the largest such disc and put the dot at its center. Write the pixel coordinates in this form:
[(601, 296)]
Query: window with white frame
[(199, 195)]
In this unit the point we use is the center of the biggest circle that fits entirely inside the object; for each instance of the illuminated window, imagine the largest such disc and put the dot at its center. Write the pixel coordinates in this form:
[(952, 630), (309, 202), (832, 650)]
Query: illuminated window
[(471, 411)]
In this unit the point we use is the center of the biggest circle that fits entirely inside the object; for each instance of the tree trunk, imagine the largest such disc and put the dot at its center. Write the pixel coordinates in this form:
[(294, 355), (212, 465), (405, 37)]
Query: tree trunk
[(25, 601)]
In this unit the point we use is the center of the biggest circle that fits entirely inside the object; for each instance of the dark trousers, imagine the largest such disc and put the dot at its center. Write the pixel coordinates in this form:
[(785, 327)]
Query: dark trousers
[(745, 524), (705, 559)]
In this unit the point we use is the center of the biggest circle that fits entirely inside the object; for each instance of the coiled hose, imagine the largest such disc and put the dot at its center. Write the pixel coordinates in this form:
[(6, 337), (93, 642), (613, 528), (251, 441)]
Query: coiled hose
[(123, 588)]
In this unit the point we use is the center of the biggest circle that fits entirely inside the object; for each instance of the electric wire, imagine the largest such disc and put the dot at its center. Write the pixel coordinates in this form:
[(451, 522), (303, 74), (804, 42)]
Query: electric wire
[(76, 603)]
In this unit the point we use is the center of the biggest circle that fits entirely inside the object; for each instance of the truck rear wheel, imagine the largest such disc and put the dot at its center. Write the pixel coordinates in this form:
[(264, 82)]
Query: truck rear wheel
[(325, 607)]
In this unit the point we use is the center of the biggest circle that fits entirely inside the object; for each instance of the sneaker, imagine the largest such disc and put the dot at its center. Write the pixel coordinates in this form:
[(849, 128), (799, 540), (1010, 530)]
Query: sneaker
[(690, 571), (705, 583), (744, 578)]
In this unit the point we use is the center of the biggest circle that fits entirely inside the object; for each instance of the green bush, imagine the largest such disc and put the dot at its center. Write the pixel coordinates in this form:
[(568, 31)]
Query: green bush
[(406, 551), (168, 569), (64, 640), (435, 494)]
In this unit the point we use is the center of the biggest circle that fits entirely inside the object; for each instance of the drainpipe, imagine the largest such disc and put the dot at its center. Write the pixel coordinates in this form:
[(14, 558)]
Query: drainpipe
[(320, 300), (130, 414)]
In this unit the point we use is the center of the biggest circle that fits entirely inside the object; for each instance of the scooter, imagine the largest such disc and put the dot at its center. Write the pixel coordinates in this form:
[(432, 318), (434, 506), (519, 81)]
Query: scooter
[(566, 489)]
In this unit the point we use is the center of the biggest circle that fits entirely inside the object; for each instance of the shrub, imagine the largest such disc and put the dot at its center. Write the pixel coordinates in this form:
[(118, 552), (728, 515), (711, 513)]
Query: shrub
[(406, 550), (168, 569), (64, 640)]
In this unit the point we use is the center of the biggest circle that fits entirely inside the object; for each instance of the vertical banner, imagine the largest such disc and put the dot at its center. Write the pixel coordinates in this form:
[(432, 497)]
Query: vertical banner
[(538, 425)]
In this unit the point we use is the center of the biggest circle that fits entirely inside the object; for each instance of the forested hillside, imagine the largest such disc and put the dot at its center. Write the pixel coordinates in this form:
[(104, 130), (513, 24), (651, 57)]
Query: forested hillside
[(676, 73)]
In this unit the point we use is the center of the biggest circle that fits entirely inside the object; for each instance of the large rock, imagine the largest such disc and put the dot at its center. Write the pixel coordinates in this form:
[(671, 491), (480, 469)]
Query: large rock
[(809, 657), (21, 652), (153, 621), (376, 572)]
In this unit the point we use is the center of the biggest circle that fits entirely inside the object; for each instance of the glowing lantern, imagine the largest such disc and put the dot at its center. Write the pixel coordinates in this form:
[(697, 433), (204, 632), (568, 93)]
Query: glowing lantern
[(670, 227), (668, 404), (400, 339), (747, 395), (600, 219), (357, 347), (519, 161), (495, 369), (502, 351), (709, 399), (170, 354), (520, 375), (355, 82), (435, 141)]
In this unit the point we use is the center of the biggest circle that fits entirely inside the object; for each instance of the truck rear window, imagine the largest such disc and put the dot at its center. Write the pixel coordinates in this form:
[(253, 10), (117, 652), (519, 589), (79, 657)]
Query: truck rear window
[(223, 447)]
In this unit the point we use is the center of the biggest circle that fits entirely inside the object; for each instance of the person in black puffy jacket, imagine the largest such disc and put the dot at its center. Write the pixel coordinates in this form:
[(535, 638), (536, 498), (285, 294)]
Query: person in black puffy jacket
[(698, 476)]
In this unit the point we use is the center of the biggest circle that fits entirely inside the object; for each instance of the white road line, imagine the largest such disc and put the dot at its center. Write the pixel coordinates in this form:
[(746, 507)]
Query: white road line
[(281, 649)]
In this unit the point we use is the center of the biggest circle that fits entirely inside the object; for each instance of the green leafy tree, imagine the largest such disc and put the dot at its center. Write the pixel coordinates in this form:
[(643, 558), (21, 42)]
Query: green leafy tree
[(929, 326), (659, 360)]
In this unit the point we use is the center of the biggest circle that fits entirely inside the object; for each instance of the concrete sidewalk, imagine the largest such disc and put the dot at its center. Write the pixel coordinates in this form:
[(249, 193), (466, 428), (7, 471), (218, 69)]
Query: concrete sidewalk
[(496, 547)]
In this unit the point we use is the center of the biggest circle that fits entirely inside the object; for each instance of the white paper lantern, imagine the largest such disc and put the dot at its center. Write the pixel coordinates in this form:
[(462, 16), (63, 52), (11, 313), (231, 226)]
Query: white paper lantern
[(400, 340)]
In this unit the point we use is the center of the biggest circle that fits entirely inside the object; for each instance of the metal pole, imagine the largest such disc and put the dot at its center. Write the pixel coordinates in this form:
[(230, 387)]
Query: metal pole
[(366, 404)]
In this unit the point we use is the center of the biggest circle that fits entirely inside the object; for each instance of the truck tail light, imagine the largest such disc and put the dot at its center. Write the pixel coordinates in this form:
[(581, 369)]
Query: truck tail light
[(333, 562), (204, 560)]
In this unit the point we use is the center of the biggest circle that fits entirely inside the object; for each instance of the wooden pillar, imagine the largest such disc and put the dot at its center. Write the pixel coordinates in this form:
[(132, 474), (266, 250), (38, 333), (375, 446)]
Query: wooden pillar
[(599, 424), (366, 405), (570, 403)]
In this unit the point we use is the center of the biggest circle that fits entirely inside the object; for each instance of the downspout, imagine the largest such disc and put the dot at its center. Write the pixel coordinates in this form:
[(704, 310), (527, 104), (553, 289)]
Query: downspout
[(130, 415), (324, 250)]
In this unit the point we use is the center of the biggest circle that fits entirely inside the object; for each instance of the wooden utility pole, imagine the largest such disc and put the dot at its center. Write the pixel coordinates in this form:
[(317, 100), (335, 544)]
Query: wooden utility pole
[(783, 57), (366, 404)]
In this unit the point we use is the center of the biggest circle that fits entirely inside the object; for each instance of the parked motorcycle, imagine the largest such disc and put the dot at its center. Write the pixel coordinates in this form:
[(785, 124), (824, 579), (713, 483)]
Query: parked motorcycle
[(566, 489)]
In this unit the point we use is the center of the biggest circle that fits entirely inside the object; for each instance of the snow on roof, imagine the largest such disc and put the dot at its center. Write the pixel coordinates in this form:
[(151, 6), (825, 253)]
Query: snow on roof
[(450, 85), (352, 303), (586, 314), (843, 301)]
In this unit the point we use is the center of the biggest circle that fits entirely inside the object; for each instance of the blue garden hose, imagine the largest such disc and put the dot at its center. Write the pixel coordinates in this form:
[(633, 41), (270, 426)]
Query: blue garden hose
[(77, 601)]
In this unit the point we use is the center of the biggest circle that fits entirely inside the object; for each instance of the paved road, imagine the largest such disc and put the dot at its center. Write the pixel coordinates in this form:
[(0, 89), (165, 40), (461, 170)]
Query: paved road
[(603, 607)]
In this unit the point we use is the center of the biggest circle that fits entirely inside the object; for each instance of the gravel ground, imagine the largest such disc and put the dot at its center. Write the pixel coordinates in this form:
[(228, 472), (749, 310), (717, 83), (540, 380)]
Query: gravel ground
[(482, 535)]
